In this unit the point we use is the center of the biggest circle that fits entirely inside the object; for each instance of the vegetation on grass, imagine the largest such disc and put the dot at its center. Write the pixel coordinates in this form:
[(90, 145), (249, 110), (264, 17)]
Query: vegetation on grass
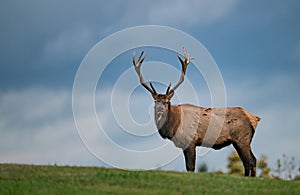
[(202, 168), (26, 179), (262, 165), (235, 165), (286, 168)]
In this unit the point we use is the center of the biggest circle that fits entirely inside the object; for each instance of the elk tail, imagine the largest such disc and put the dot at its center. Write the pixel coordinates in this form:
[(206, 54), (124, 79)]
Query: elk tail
[(253, 119), (257, 118)]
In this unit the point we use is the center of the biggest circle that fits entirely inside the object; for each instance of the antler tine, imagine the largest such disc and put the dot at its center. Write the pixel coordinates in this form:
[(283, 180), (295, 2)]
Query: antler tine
[(137, 65), (168, 89), (138, 62), (154, 91), (184, 64), (187, 56)]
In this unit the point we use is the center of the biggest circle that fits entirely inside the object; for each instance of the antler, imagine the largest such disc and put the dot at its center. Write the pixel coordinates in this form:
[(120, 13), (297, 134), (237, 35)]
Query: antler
[(184, 64), (137, 65)]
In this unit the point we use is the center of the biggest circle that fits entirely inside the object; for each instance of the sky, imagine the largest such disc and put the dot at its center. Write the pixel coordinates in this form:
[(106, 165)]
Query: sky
[(255, 45)]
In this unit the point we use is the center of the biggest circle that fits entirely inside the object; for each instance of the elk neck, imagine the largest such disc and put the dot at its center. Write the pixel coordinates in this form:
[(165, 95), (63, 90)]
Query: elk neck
[(171, 123)]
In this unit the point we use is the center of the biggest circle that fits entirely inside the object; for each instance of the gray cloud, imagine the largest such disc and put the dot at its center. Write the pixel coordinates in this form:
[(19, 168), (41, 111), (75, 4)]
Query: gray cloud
[(43, 43), (188, 13), (37, 127)]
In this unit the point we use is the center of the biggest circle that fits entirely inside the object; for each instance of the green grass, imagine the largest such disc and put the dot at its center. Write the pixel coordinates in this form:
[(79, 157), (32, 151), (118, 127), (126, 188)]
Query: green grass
[(29, 179)]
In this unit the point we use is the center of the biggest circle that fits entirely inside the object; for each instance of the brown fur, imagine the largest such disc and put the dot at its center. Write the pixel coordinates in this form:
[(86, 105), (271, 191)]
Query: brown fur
[(237, 128), (170, 127), (189, 126)]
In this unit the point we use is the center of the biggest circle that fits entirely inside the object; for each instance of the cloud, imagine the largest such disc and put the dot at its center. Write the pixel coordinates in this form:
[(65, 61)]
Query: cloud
[(32, 105), (295, 54), (193, 12), (68, 46), (54, 44), (50, 38), (36, 124), (175, 13), (275, 99), (37, 127)]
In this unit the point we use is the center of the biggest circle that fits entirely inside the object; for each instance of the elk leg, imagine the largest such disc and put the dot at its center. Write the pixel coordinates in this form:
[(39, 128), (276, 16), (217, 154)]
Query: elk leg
[(190, 158), (253, 165), (244, 154)]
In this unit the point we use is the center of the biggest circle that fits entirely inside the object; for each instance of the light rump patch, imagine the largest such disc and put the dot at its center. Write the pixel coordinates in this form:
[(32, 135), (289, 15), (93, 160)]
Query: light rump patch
[(253, 118)]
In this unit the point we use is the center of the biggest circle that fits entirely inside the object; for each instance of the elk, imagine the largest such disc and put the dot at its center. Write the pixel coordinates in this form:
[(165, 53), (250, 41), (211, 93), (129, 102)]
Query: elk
[(186, 125)]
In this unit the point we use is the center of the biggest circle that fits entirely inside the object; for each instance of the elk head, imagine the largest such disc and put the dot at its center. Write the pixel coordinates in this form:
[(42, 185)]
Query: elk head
[(162, 101)]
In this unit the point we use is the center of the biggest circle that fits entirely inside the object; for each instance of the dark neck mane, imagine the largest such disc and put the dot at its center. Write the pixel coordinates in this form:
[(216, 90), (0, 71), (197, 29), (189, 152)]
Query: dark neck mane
[(169, 128)]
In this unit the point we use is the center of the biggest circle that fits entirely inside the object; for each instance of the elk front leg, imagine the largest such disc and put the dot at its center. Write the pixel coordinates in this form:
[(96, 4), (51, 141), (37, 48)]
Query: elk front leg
[(190, 158)]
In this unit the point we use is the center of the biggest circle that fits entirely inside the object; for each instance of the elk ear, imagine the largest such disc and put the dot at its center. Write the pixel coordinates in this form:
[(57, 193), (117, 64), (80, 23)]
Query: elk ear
[(170, 95)]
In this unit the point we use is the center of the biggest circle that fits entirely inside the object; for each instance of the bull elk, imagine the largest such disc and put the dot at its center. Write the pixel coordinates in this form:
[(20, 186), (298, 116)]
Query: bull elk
[(186, 125)]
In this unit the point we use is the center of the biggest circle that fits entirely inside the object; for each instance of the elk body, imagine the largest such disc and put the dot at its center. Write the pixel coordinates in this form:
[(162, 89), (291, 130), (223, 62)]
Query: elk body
[(186, 125)]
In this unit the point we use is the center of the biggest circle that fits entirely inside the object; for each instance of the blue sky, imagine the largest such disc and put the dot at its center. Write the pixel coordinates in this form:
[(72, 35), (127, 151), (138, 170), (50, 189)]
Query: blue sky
[(255, 44)]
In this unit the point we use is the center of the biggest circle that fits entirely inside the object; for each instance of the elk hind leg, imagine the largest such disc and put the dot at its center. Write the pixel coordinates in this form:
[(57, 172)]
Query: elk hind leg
[(253, 164), (244, 153)]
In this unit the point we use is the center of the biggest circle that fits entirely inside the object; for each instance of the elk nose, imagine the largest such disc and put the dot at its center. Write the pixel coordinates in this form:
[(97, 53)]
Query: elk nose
[(159, 109)]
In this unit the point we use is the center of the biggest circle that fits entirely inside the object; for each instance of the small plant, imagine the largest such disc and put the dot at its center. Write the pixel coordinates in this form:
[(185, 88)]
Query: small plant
[(235, 165), (202, 168), (286, 168), (262, 165)]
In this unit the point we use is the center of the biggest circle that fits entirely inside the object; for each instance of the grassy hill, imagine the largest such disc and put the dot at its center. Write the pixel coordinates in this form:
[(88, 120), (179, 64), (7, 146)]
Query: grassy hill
[(28, 179)]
